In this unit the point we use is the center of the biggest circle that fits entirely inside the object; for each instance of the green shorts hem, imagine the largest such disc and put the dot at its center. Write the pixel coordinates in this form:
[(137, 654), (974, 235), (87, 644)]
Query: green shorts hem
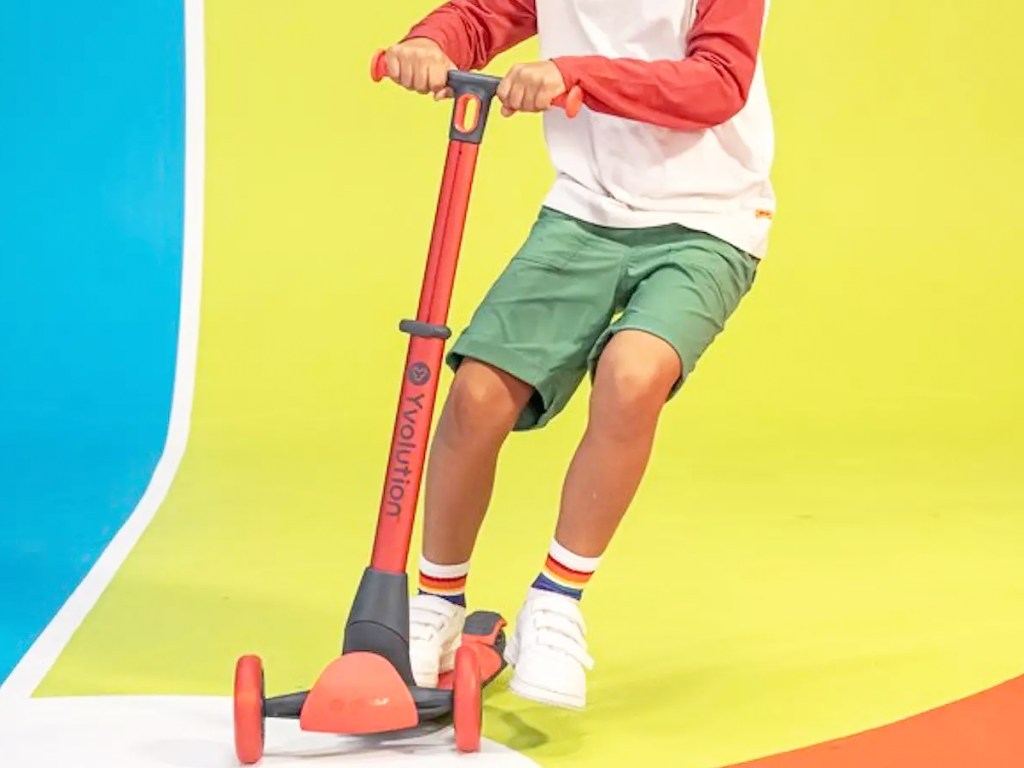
[(573, 285), (651, 328), (538, 411)]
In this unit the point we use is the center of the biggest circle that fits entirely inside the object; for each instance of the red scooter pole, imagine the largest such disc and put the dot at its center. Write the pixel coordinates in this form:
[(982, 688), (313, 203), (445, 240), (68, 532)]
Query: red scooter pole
[(428, 333)]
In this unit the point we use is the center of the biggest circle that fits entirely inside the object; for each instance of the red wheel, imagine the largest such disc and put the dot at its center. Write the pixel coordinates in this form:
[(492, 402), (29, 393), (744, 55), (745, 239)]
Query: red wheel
[(467, 706), (249, 724)]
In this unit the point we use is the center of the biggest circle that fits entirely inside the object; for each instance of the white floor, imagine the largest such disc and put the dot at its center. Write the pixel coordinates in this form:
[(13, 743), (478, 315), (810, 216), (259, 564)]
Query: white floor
[(196, 732)]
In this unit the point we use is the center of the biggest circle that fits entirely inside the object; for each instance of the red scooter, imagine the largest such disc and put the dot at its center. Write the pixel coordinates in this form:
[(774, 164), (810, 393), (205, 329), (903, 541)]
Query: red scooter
[(370, 687)]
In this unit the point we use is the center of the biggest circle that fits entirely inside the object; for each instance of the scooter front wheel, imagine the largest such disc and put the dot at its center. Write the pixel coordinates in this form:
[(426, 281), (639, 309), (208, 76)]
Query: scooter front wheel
[(467, 705), (249, 710)]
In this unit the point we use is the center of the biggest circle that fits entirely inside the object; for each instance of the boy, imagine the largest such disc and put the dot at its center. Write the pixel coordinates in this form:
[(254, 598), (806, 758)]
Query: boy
[(660, 211)]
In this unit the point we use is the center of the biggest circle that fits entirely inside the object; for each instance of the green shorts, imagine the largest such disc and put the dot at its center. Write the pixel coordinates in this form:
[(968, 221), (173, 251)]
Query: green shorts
[(573, 285)]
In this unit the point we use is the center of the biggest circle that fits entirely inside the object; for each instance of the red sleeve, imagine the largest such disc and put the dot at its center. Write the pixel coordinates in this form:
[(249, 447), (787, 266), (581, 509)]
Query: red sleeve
[(705, 89), (472, 32)]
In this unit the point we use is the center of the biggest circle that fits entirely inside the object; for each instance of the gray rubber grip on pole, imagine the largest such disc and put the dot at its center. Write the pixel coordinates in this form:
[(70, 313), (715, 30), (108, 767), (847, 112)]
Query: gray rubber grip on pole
[(484, 87), (425, 330)]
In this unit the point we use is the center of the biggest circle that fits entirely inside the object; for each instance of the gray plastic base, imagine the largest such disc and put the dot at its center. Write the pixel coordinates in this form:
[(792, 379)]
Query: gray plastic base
[(379, 621)]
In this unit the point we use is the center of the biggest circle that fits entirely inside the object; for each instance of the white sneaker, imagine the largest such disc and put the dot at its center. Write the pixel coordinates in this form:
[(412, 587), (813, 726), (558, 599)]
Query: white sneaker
[(435, 632), (549, 651)]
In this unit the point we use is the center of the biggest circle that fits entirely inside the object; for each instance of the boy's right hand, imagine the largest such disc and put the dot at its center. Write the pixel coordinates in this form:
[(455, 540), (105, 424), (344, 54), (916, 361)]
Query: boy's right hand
[(420, 65)]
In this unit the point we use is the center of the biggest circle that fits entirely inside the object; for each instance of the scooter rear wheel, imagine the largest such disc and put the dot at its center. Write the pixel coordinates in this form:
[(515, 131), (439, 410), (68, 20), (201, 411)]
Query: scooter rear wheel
[(467, 707), (249, 702)]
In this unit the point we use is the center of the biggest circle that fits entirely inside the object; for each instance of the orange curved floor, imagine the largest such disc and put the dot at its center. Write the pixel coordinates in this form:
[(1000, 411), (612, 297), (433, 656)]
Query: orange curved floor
[(985, 730)]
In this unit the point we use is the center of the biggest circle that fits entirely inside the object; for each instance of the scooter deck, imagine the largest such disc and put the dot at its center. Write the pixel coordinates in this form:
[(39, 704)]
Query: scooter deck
[(483, 631)]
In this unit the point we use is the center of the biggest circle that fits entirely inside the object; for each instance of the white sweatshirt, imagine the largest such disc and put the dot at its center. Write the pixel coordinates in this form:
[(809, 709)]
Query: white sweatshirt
[(679, 127)]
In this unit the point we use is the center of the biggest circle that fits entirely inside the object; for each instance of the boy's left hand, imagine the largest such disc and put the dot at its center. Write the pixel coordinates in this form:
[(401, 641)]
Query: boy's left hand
[(530, 87)]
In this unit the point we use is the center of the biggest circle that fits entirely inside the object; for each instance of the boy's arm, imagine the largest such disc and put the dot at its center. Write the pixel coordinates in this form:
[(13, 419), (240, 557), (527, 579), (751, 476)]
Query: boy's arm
[(472, 32), (703, 90)]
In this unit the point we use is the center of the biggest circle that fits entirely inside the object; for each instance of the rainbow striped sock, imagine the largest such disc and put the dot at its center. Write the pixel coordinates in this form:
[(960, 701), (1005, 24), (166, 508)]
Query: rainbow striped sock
[(566, 572), (446, 581)]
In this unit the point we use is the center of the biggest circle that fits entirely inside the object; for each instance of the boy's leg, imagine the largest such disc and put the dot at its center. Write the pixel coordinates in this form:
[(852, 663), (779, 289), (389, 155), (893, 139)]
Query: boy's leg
[(518, 363), (482, 407), (683, 286), (548, 649), (636, 374), (632, 383)]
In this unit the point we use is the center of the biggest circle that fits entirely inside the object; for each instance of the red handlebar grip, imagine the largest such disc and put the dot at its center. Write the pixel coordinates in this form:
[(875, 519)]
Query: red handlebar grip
[(378, 67), (571, 102)]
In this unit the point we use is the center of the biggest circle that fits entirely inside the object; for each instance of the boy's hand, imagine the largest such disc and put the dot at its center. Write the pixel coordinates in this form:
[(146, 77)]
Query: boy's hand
[(530, 87), (419, 65)]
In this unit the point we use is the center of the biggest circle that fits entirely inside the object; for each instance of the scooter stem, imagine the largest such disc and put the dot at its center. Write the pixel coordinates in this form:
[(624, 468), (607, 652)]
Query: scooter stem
[(428, 333)]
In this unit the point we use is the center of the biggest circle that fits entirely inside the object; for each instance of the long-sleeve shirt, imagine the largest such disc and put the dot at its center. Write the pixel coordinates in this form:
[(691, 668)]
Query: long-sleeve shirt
[(678, 127)]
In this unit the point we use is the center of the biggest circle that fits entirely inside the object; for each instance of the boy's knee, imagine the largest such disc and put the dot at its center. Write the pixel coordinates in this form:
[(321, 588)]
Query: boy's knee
[(480, 401), (629, 391)]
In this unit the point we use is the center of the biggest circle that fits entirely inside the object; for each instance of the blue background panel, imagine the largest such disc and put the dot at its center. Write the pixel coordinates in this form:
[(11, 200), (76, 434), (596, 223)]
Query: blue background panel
[(91, 209)]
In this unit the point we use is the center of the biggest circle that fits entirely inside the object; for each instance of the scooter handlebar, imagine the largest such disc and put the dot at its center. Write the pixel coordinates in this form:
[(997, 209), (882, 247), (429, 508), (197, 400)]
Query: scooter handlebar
[(468, 82)]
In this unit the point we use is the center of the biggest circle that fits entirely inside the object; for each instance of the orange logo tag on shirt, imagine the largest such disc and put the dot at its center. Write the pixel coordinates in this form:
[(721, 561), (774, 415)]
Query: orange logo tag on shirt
[(763, 213)]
